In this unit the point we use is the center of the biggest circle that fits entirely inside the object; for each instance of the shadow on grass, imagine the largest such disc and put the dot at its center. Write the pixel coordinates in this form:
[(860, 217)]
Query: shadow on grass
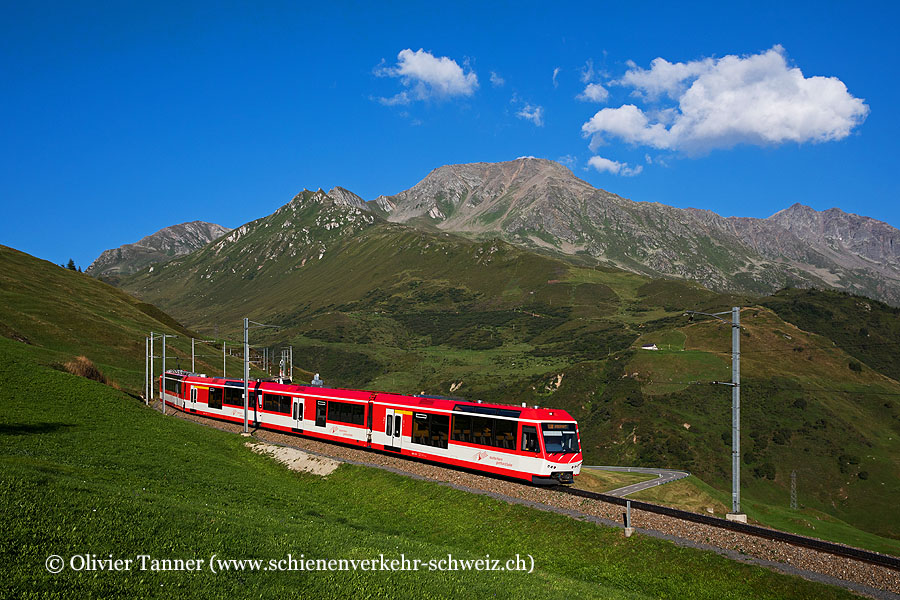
[(31, 428)]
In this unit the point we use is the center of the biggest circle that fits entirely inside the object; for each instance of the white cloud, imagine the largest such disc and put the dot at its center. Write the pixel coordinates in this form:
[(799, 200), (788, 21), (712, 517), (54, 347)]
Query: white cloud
[(757, 100), (568, 160), (587, 72), (496, 80), (614, 167), (663, 77), (594, 92), (427, 77), (535, 114), (555, 73), (397, 99)]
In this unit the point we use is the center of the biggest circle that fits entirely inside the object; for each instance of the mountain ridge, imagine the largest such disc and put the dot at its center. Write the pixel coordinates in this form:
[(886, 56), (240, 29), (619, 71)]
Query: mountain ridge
[(174, 240), (540, 203)]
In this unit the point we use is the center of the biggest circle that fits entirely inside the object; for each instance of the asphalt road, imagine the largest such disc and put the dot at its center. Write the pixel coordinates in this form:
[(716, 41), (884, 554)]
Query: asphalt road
[(662, 476)]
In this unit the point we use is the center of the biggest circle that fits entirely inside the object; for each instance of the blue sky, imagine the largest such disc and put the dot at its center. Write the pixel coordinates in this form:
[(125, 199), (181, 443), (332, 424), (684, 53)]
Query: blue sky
[(122, 118)]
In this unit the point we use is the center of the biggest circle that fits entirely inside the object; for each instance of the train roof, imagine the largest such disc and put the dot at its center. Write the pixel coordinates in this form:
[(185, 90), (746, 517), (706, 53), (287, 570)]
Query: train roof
[(423, 402)]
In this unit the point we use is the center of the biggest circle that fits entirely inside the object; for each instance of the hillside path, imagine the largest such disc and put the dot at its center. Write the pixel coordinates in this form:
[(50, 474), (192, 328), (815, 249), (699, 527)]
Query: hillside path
[(662, 476)]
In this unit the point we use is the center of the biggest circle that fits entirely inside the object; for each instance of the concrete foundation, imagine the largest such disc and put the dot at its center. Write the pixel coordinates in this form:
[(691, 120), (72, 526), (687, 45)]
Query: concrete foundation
[(629, 531), (739, 517)]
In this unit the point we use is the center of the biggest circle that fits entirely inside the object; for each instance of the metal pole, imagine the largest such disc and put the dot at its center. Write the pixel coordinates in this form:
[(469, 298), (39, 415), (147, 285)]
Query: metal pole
[(192, 356), (152, 383), (146, 369), (223, 360), (162, 392), (246, 371), (736, 410), (291, 370)]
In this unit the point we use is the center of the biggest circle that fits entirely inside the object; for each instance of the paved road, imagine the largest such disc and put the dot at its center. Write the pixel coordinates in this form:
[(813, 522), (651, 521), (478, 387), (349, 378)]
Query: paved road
[(662, 476)]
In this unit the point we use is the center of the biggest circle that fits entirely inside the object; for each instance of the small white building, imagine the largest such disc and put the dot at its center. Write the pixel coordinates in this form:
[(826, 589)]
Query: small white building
[(649, 347)]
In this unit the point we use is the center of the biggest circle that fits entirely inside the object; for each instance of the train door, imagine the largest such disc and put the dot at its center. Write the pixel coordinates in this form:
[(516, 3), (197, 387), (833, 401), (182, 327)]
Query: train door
[(193, 399), (393, 425), (297, 425), (321, 411)]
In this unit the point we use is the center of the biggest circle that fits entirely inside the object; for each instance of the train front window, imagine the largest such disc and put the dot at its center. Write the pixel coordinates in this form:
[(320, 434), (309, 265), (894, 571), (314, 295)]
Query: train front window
[(560, 438)]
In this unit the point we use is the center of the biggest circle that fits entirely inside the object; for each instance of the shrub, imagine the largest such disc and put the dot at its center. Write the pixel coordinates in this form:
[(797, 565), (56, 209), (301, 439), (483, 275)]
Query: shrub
[(83, 367), (855, 366)]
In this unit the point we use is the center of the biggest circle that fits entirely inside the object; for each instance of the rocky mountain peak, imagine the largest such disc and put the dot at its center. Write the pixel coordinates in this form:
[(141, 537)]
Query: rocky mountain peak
[(347, 198), (167, 243), (540, 203)]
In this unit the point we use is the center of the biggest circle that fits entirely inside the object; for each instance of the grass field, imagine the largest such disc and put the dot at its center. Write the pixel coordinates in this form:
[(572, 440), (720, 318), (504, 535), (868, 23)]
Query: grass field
[(595, 480), (694, 495), (87, 469)]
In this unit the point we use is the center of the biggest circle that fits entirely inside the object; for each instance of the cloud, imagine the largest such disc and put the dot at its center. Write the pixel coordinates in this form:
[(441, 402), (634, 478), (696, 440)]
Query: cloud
[(398, 99), (614, 167), (758, 100), (555, 73), (594, 92), (427, 77), (568, 160), (587, 72), (496, 80), (663, 77), (535, 114)]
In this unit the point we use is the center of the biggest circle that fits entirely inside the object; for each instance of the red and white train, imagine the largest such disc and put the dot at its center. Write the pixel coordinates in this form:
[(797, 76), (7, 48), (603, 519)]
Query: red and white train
[(539, 445)]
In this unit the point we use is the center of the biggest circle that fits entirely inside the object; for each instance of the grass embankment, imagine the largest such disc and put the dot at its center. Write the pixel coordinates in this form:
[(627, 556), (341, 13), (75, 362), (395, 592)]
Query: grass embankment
[(63, 314), (86, 469), (694, 495)]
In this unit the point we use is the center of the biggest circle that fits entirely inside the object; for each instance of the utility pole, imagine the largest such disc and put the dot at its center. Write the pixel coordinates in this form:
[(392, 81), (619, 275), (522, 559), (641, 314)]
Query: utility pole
[(152, 365), (735, 383), (246, 371), (223, 359), (192, 356), (247, 323), (146, 368), (162, 390), (736, 414)]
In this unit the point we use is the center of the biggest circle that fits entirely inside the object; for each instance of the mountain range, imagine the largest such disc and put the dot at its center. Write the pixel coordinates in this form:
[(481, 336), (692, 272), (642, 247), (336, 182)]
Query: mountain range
[(541, 205), (175, 240)]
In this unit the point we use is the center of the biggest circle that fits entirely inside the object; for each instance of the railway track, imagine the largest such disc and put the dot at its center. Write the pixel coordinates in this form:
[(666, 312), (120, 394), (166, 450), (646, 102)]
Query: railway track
[(866, 556)]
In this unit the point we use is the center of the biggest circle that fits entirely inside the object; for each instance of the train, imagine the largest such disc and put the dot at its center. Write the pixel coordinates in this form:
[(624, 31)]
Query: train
[(531, 444)]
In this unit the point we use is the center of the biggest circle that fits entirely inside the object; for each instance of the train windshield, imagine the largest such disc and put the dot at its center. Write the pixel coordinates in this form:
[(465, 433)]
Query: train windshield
[(560, 438)]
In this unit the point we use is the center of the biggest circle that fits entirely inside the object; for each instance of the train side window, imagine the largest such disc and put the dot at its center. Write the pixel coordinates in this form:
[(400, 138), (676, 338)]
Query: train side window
[(483, 431), (430, 429), (504, 434), (388, 426), (214, 398), (530, 439), (462, 428), (321, 409), (397, 422)]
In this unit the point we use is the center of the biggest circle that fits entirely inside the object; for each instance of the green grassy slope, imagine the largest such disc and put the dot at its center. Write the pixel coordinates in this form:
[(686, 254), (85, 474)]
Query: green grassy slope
[(66, 314), (383, 306), (803, 410), (167, 488), (866, 329)]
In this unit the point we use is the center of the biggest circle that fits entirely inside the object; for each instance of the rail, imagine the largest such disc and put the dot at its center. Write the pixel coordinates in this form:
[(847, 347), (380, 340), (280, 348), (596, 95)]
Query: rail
[(867, 556)]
